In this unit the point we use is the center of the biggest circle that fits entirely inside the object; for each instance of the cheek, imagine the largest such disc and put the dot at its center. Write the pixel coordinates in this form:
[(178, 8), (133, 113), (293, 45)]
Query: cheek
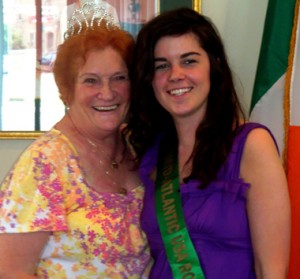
[(124, 92), (201, 78), (205, 79), (207, 83), (160, 98), (157, 85), (81, 95), (206, 76), (77, 94), (158, 81)]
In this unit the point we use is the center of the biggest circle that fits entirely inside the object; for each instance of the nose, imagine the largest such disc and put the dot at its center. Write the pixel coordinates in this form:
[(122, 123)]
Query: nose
[(105, 91), (176, 73)]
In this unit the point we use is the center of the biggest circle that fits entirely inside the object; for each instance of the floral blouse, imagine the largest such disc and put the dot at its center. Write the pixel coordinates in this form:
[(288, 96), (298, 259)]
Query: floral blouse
[(93, 235)]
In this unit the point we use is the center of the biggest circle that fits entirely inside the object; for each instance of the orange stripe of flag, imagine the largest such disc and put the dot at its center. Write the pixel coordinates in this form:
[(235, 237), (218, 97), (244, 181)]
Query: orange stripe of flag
[(293, 175)]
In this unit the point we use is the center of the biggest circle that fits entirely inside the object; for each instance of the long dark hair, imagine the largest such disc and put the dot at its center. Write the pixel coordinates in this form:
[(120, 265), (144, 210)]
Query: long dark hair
[(147, 119)]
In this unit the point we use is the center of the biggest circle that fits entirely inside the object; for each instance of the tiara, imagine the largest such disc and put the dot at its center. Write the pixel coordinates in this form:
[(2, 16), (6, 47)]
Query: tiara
[(90, 15)]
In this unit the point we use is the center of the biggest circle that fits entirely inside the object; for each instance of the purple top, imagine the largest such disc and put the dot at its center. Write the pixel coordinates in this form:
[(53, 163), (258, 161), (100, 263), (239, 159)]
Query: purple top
[(216, 218)]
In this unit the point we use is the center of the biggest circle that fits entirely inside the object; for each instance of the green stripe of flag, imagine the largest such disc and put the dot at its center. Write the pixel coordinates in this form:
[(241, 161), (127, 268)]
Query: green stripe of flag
[(273, 58)]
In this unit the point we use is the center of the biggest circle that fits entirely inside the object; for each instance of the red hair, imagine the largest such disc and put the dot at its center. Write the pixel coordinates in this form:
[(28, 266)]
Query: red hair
[(72, 54)]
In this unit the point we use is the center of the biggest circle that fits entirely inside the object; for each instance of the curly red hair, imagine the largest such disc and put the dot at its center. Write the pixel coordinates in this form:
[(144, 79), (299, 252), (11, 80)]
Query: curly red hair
[(72, 54)]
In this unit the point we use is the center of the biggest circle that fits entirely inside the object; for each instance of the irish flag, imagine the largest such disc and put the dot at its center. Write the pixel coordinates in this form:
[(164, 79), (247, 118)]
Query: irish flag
[(276, 101)]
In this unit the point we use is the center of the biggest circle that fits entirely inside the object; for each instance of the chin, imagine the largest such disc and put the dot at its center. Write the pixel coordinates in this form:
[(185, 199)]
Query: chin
[(110, 127)]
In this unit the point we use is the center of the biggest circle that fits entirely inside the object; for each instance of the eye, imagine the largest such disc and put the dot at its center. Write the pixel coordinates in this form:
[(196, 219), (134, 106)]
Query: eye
[(161, 66), (120, 77), (90, 80), (189, 61)]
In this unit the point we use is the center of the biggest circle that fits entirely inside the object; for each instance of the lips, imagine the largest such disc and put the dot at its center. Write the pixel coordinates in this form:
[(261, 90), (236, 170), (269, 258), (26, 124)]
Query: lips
[(106, 108), (179, 91)]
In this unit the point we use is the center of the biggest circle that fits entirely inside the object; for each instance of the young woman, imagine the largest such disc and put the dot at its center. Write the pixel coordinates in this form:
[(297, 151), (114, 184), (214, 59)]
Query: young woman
[(216, 192)]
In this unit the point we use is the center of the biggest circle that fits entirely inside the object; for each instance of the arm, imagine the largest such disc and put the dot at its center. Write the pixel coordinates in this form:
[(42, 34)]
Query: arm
[(19, 254), (267, 205), (31, 206)]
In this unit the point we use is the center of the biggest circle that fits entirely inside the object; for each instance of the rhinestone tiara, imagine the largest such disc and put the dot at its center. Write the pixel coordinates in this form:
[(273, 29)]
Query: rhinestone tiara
[(90, 15)]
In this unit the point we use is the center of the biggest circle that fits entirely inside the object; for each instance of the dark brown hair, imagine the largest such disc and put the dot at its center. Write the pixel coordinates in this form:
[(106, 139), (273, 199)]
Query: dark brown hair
[(148, 118)]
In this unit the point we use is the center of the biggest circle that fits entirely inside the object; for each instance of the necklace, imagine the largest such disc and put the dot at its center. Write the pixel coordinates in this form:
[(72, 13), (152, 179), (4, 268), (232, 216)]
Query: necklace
[(113, 164)]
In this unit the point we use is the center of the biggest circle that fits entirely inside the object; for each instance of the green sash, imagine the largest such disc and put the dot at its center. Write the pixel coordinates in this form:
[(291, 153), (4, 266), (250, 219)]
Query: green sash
[(179, 248)]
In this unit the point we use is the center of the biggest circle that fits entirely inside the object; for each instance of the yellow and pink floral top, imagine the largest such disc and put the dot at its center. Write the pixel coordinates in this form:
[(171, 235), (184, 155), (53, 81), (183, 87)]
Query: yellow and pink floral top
[(93, 235)]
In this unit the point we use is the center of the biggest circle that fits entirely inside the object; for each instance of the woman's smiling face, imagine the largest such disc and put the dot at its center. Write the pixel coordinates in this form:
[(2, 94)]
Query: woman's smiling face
[(181, 79), (102, 91)]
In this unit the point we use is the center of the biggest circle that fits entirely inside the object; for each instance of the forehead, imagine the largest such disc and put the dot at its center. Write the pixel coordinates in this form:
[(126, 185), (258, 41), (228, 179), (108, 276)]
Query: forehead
[(103, 60), (185, 42)]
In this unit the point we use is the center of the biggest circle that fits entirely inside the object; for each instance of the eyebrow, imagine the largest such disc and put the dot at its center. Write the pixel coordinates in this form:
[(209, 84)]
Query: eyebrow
[(184, 55), (97, 75), (189, 53)]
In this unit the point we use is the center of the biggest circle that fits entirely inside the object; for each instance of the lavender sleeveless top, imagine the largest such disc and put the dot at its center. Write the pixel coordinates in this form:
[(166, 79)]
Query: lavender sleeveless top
[(216, 218)]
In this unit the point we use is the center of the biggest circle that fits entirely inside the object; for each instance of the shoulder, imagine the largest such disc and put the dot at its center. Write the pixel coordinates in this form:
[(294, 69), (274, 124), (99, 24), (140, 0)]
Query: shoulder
[(52, 142), (260, 141), (256, 137), (260, 157), (50, 148)]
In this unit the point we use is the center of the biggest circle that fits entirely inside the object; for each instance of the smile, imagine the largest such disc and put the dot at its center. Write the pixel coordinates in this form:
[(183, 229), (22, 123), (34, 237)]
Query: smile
[(106, 108), (179, 91)]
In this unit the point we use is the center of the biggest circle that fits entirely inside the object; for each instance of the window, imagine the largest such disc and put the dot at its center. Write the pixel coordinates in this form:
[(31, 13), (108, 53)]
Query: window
[(30, 31), (29, 97)]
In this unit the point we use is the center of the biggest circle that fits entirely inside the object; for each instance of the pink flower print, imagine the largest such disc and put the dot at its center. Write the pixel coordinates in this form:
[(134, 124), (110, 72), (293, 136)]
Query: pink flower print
[(56, 185), (91, 236), (96, 252), (85, 247), (41, 223), (93, 213), (46, 169)]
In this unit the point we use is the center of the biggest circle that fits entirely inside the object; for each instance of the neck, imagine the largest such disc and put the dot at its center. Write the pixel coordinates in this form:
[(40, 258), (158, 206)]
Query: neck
[(109, 146), (186, 133), (102, 159), (186, 128)]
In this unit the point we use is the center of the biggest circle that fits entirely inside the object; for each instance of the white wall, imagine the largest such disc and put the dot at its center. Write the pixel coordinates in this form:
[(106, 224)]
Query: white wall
[(240, 23)]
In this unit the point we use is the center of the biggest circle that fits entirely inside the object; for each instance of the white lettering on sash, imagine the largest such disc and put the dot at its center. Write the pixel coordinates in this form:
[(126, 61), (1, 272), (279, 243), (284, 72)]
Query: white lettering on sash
[(171, 220), (169, 209)]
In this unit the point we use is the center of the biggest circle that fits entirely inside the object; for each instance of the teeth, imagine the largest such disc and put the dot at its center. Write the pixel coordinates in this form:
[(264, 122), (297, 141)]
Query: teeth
[(106, 108), (178, 92)]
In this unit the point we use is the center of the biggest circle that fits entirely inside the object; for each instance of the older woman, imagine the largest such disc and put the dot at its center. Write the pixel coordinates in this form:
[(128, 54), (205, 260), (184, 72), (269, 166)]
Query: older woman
[(70, 207)]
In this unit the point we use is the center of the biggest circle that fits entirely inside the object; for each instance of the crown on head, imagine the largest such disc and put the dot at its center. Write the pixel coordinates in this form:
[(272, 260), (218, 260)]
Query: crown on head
[(90, 15)]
